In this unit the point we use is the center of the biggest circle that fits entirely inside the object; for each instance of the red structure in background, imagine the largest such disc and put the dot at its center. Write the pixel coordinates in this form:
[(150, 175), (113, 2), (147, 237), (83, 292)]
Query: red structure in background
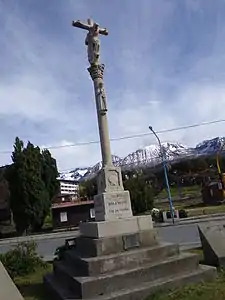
[(69, 211)]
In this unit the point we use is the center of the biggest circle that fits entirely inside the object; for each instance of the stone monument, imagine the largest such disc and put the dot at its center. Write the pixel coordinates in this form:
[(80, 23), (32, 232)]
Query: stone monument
[(8, 288), (112, 203), (119, 256), (212, 238)]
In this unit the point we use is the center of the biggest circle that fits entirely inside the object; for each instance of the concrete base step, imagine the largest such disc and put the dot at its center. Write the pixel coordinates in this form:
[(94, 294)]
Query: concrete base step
[(125, 260), (86, 287), (56, 289), (141, 291), (146, 289)]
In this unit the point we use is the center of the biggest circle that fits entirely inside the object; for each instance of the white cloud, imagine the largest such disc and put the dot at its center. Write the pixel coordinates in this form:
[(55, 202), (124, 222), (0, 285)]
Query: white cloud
[(83, 155), (159, 72)]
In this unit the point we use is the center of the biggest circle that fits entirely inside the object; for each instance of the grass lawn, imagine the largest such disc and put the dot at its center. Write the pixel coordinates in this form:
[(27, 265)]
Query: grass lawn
[(193, 209), (197, 210), (184, 190), (203, 291), (205, 210), (31, 286)]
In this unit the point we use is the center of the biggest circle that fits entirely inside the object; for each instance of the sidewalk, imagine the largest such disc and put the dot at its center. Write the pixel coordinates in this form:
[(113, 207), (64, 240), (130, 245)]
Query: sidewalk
[(193, 220), (51, 235)]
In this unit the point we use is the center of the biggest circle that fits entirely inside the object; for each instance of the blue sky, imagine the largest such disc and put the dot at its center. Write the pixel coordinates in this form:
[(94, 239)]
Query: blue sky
[(165, 66)]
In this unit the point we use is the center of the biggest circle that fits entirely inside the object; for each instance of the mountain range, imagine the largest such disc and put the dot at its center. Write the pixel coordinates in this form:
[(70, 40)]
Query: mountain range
[(148, 156)]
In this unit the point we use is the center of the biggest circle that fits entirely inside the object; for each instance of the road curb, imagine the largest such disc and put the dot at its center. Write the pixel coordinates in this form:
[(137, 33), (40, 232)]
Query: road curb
[(31, 238), (188, 222)]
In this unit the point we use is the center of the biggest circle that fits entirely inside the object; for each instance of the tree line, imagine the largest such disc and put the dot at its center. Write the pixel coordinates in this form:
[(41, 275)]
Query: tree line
[(146, 183), (32, 183)]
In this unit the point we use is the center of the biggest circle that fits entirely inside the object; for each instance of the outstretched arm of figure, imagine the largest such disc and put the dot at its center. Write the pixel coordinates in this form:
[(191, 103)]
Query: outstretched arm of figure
[(79, 24)]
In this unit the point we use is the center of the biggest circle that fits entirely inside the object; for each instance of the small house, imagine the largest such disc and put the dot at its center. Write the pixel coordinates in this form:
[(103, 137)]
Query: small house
[(68, 214), (212, 193)]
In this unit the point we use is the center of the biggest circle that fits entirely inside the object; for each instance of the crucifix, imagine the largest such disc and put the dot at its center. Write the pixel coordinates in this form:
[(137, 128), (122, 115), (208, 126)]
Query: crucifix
[(92, 40), (96, 71), (109, 179)]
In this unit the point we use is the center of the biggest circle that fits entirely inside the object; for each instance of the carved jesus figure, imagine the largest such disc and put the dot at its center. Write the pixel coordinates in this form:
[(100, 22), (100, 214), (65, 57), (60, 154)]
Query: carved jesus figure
[(92, 43), (92, 39)]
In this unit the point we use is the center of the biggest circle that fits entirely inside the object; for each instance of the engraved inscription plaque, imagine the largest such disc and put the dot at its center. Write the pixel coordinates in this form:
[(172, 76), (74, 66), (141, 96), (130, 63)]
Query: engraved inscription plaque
[(112, 206), (131, 241), (118, 205)]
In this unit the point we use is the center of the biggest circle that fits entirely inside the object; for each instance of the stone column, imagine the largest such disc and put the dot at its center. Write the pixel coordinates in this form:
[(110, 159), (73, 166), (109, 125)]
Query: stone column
[(111, 202), (113, 213), (96, 72)]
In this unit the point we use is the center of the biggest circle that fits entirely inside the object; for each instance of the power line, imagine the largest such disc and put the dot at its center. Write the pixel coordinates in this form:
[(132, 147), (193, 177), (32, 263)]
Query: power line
[(130, 136), (140, 135)]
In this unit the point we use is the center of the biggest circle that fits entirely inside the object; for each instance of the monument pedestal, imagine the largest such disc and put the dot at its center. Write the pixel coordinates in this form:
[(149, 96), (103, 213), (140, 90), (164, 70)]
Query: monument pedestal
[(120, 256), (122, 260), (112, 202)]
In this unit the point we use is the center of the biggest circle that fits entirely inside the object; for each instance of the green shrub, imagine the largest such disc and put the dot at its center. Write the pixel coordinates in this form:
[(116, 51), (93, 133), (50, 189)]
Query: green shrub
[(22, 260)]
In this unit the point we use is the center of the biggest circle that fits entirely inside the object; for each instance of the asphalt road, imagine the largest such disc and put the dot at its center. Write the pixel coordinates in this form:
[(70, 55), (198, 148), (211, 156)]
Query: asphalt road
[(185, 235), (46, 244)]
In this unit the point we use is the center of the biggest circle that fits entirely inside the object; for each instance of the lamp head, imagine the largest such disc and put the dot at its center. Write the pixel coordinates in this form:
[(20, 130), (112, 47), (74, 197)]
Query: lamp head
[(150, 127)]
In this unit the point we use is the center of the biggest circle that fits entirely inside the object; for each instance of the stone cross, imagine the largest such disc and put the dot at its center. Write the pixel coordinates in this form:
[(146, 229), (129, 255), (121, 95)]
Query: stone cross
[(96, 71), (112, 202)]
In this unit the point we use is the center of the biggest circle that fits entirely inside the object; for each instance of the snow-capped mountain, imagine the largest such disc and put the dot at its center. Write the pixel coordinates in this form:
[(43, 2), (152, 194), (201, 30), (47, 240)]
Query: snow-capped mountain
[(149, 156), (116, 162), (210, 146), (80, 173), (75, 175)]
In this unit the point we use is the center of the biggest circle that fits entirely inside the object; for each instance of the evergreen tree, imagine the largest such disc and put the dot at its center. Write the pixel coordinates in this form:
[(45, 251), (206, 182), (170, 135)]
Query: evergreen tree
[(88, 189), (141, 193), (50, 173), (32, 183), (36, 193), (15, 176)]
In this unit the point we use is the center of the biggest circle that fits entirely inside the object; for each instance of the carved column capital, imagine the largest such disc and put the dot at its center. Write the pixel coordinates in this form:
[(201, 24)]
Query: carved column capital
[(96, 71)]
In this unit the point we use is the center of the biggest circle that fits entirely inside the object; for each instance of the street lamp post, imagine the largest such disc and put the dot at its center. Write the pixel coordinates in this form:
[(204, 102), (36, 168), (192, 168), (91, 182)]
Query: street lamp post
[(165, 172)]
